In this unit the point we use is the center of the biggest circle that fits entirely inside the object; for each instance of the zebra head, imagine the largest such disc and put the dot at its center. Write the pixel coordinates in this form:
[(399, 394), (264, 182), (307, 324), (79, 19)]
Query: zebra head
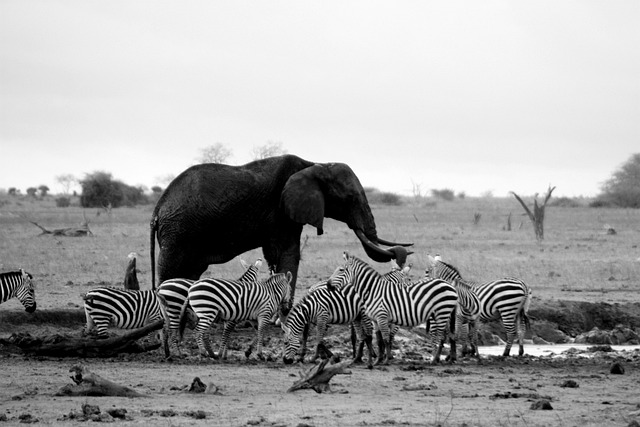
[(25, 292), (343, 275), (293, 328)]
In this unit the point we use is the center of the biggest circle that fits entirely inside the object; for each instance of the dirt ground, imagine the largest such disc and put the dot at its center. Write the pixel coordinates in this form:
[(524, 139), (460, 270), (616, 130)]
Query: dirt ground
[(579, 387)]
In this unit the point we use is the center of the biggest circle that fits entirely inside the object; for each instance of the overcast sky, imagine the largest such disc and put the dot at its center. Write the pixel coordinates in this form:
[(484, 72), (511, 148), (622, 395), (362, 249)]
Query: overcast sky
[(473, 96)]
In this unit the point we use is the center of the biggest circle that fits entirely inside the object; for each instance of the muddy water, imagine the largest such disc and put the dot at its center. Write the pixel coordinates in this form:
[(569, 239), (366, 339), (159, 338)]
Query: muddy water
[(551, 350)]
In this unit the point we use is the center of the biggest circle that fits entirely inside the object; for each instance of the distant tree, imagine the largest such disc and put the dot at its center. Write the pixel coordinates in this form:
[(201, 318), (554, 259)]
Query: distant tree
[(43, 190), (12, 191), (216, 153), (156, 189), (623, 188), (31, 191), (270, 149), (66, 182), (100, 190)]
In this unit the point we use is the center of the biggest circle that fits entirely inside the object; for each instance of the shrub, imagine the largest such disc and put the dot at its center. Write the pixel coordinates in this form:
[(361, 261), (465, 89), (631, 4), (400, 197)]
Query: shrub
[(63, 202), (445, 194), (565, 202), (623, 188), (100, 190), (390, 199)]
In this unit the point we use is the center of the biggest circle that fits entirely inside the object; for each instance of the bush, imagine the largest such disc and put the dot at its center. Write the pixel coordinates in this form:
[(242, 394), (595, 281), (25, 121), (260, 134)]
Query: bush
[(445, 194), (390, 199), (565, 202), (63, 202), (100, 190)]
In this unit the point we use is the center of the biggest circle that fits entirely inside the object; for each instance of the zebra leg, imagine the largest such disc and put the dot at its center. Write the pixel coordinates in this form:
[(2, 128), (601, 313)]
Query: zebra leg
[(303, 341), (384, 338), (520, 334), (473, 334), (509, 322), (321, 331), (203, 338), (261, 325), (229, 327)]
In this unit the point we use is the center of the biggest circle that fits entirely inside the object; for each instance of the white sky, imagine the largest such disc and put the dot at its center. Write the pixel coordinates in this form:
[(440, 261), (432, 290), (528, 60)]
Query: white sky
[(471, 96)]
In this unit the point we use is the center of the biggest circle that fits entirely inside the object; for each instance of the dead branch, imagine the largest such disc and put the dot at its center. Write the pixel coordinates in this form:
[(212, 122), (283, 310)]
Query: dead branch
[(82, 230), (537, 216), (68, 346), (131, 275), (318, 377), (88, 383)]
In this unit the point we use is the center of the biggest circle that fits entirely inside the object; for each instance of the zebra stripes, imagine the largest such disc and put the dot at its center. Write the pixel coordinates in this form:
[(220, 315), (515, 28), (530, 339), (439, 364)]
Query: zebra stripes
[(392, 303), (235, 301), (18, 284), (323, 307), (173, 294), (125, 309), (507, 299)]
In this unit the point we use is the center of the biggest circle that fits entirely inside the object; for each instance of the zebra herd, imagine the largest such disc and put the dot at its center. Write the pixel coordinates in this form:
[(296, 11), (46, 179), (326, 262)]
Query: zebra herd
[(355, 294)]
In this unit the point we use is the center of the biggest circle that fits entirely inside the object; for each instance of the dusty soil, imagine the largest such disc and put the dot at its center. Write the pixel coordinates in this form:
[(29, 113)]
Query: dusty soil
[(579, 387)]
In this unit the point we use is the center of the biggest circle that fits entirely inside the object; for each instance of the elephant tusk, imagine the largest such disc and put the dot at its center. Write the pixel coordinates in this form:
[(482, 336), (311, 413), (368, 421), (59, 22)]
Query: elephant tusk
[(374, 252), (388, 243)]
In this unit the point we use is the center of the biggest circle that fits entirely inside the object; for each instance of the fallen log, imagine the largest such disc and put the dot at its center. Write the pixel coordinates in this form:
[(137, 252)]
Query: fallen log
[(82, 230), (69, 346), (318, 377), (88, 383)]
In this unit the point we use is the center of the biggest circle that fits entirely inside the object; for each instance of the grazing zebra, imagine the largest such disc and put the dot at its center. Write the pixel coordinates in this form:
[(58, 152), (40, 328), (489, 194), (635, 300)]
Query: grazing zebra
[(173, 294), (468, 310), (18, 284), (388, 303), (323, 307), (125, 309), (507, 299), (235, 301)]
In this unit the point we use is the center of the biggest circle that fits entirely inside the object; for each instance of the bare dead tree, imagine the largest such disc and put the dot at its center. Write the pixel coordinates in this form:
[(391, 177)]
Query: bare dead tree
[(537, 216)]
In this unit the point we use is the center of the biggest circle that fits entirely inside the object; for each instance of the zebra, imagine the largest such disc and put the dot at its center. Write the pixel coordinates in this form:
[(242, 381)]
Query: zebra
[(386, 303), (18, 284), (173, 293), (322, 307), (468, 310), (125, 309), (235, 301), (507, 299)]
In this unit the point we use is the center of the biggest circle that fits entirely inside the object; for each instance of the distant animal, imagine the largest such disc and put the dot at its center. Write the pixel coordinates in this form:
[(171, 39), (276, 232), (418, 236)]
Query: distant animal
[(234, 301), (507, 299), (173, 294), (120, 308), (18, 284), (433, 301), (212, 212)]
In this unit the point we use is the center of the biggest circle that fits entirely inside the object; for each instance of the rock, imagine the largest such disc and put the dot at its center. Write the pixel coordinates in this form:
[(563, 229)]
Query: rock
[(617, 368), (541, 404), (623, 335), (570, 384), (633, 423), (539, 341), (549, 332), (594, 336)]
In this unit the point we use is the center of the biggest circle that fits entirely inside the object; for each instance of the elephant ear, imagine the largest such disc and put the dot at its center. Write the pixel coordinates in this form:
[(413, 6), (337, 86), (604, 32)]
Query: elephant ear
[(302, 199)]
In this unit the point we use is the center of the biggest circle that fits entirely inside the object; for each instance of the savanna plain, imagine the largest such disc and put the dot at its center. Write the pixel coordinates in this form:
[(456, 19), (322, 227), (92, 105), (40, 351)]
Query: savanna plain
[(582, 275)]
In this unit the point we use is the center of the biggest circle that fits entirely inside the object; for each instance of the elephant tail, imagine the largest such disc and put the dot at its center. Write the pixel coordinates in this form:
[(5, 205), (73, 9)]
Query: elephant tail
[(152, 249)]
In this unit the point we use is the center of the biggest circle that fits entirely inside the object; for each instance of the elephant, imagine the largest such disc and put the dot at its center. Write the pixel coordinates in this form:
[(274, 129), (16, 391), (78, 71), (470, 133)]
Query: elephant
[(212, 212)]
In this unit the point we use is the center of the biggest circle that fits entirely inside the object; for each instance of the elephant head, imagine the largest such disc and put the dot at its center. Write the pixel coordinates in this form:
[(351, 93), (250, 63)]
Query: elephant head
[(334, 191)]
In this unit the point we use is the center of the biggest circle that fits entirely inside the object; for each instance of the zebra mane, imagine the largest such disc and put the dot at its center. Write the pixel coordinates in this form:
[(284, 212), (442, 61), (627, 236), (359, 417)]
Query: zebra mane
[(450, 267), (15, 273), (365, 264)]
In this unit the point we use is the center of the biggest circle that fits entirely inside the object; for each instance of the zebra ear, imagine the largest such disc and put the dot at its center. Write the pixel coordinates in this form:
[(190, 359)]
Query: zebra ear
[(258, 263), (289, 277)]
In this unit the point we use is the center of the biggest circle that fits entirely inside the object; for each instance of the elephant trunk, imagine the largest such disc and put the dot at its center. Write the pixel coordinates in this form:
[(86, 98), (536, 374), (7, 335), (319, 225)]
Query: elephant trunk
[(376, 253)]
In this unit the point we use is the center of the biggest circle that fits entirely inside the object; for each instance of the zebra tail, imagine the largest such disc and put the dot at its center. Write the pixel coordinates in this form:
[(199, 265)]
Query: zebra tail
[(183, 319), (525, 310)]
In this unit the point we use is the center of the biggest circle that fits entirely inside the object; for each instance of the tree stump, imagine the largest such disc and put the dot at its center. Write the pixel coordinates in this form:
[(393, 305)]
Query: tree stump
[(68, 346), (318, 377)]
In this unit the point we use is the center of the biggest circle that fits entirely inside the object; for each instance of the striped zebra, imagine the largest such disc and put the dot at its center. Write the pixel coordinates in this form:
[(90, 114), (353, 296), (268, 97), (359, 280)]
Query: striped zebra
[(18, 284), (173, 294), (234, 301), (322, 307), (386, 303), (468, 310), (507, 299), (125, 309)]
